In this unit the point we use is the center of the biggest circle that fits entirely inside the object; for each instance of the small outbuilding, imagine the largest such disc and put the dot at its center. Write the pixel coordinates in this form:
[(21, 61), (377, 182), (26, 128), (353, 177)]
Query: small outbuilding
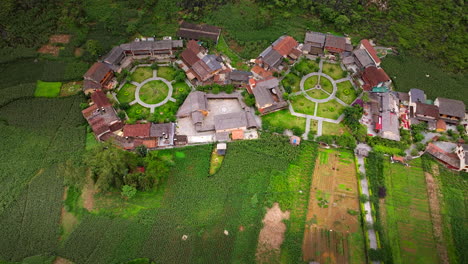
[(295, 140), (221, 149)]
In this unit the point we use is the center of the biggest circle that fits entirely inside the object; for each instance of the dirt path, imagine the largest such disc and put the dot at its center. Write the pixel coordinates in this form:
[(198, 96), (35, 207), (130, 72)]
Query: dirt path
[(272, 235), (432, 193), (88, 194)]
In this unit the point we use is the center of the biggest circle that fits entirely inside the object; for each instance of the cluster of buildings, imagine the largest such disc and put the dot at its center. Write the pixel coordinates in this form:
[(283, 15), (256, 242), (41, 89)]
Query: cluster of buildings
[(454, 156)]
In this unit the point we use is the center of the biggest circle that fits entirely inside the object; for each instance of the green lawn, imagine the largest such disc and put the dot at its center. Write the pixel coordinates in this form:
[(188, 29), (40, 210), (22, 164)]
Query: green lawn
[(138, 112), (281, 120), (303, 105), (141, 74), (333, 129), (407, 219), (153, 92), (306, 66), (90, 140), (317, 94), (326, 85), (236, 60), (292, 81), (47, 89), (331, 109), (167, 73), (127, 93), (165, 113), (346, 92), (310, 82), (333, 70), (181, 88)]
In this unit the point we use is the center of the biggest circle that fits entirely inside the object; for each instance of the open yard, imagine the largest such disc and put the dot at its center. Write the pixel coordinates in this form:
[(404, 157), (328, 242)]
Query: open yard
[(346, 92), (292, 81), (47, 89), (333, 232), (310, 82), (138, 112), (127, 93), (326, 85), (142, 73), (303, 105), (153, 92), (317, 94), (167, 73), (407, 220), (281, 120), (334, 70), (331, 109), (333, 129)]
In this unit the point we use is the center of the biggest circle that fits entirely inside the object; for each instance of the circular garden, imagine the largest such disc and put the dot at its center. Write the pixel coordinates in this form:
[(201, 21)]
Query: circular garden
[(153, 92)]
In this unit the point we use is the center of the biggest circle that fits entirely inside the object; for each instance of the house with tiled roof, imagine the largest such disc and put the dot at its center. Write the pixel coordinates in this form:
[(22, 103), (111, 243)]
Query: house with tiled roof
[(199, 32), (451, 111), (268, 96), (374, 77), (97, 77), (362, 59), (366, 45), (336, 44), (314, 43), (384, 109), (284, 47), (455, 160)]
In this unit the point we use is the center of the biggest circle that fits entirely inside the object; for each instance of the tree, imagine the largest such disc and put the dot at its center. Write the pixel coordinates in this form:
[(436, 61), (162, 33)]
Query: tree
[(141, 150), (128, 191), (342, 22), (73, 174), (93, 47)]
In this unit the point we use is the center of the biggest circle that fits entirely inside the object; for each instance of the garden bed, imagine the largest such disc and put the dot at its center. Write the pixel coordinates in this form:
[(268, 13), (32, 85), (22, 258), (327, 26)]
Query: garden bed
[(281, 120), (167, 73), (47, 89), (346, 92), (138, 112), (317, 94), (153, 92)]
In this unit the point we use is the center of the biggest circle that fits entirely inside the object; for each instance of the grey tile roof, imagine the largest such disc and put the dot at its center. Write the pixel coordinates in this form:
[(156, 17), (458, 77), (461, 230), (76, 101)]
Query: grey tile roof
[(268, 83), (273, 58), (451, 107), (315, 37), (417, 95), (363, 57), (335, 42), (390, 123), (230, 121), (212, 62), (114, 56), (195, 101), (198, 31), (240, 76), (152, 45), (263, 96)]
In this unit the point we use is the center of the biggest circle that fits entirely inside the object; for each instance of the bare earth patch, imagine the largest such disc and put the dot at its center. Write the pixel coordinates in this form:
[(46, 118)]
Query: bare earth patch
[(60, 260), (272, 235), (88, 194), (434, 205), (49, 49), (63, 38)]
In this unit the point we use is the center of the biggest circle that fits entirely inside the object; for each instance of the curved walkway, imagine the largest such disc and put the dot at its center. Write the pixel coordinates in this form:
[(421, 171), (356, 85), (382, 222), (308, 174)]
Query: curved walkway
[(152, 106), (332, 95)]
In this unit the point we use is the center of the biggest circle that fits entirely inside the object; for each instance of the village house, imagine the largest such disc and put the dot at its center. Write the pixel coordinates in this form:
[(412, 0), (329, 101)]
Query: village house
[(362, 59), (335, 44), (271, 58), (239, 78), (384, 110), (453, 156), (201, 32), (374, 77), (450, 110), (97, 77), (314, 43), (462, 152), (268, 96), (151, 135), (101, 116), (365, 45), (416, 96), (426, 113)]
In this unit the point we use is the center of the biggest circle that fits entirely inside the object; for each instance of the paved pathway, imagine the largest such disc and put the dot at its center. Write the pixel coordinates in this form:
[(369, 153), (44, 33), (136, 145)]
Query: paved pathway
[(367, 206), (152, 106), (319, 127), (319, 74)]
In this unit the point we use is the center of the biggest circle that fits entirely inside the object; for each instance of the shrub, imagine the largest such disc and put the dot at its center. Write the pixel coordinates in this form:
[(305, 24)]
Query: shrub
[(128, 191)]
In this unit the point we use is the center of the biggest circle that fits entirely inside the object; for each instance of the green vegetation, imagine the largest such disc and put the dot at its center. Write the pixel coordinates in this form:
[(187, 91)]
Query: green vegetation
[(303, 105), (291, 83), (153, 92), (304, 67), (410, 72), (141, 73), (334, 70), (138, 112), (331, 109), (317, 94), (167, 73), (407, 214), (70, 88), (47, 89), (333, 129), (310, 82), (215, 162), (165, 113), (346, 92), (127, 93), (281, 120), (236, 60), (326, 85)]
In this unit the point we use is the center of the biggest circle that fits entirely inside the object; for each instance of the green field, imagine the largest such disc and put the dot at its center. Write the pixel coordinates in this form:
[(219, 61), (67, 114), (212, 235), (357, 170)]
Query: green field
[(407, 220), (334, 70), (346, 92), (282, 120), (127, 93), (167, 73), (153, 92), (410, 72), (303, 105), (180, 88), (138, 112), (331, 109), (142, 73), (47, 89)]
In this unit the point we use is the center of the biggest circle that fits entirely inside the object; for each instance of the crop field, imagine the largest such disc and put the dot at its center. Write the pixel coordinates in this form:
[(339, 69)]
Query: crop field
[(167, 73), (38, 134), (334, 70), (127, 93), (333, 232), (47, 89), (331, 109), (142, 73), (233, 200), (9, 94), (407, 219), (346, 92), (303, 105), (411, 72), (153, 92), (236, 60)]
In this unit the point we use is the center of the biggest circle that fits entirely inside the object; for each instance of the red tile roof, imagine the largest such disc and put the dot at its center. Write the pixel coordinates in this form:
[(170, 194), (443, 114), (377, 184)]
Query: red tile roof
[(262, 72), (189, 57), (89, 111), (285, 46), (98, 125), (237, 134), (441, 125), (100, 99), (193, 46), (371, 50), (372, 76), (137, 130)]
